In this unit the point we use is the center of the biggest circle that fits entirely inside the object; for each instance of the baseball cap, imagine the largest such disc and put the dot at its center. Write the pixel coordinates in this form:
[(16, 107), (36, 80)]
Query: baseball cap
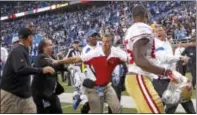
[(24, 32), (92, 33)]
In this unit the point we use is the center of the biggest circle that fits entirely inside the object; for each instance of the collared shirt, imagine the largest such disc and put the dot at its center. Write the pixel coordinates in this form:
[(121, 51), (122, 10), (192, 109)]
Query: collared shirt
[(103, 65)]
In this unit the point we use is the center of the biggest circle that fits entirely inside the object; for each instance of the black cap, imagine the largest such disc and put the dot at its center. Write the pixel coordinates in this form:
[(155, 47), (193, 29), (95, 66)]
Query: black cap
[(24, 33)]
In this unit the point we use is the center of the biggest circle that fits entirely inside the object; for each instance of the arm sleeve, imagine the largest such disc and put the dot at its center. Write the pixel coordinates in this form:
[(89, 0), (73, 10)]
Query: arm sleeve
[(44, 61), (123, 55), (86, 58), (167, 58), (140, 32), (21, 67)]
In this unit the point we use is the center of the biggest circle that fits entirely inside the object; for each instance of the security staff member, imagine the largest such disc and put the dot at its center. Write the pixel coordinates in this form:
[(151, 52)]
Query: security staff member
[(190, 51), (15, 85), (45, 88)]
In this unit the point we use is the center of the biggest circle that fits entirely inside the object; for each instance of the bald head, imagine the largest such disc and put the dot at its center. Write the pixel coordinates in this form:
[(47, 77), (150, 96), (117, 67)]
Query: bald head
[(139, 13)]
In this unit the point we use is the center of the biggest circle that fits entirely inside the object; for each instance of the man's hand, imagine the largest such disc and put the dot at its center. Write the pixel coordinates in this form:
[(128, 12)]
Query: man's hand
[(48, 70), (185, 59), (176, 77)]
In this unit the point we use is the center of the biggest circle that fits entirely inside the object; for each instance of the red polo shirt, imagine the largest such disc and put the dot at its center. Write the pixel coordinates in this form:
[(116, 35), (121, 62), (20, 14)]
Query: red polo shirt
[(102, 65)]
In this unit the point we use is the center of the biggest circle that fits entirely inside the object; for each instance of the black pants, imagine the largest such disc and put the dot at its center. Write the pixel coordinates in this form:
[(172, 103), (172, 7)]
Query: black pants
[(55, 106), (192, 69), (181, 68), (188, 107), (63, 76), (85, 108), (160, 86), (69, 78)]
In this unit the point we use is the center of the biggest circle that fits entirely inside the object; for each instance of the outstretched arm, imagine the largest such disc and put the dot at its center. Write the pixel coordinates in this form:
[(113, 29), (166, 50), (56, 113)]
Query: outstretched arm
[(69, 60)]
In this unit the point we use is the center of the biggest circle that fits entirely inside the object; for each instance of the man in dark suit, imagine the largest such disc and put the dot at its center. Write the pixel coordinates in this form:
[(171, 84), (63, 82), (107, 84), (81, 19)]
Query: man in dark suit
[(45, 88)]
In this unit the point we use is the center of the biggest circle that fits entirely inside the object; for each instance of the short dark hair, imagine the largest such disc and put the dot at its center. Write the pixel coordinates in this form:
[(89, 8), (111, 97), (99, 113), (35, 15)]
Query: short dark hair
[(28, 24), (41, 46), (138, 11), (24, 33)]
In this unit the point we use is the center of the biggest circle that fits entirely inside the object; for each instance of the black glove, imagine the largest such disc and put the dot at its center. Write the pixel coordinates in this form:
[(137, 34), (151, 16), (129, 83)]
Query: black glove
[(88, 83)]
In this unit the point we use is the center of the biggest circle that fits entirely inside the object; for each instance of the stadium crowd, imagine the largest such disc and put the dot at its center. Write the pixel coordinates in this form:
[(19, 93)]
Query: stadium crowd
[(9, 8), (113, 17), (85, 25)]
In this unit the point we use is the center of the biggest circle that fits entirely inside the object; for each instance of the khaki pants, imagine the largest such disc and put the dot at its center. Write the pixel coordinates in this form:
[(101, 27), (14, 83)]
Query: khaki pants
[(141, 89), (14, 104), (97, 102)]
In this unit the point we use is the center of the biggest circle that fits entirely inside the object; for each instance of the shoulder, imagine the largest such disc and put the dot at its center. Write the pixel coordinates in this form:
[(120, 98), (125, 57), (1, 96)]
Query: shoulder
[(42, 55), (16, 50), (118, 52), (138, 29), (85, 48), (96, 51)]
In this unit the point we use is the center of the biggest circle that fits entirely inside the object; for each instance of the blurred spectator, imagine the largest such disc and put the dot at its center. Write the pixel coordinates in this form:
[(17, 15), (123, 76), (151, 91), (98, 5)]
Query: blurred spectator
[(65, 26)]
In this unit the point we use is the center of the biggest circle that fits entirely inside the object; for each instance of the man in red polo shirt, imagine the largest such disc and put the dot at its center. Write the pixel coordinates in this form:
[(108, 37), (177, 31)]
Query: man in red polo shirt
[(102, 62)]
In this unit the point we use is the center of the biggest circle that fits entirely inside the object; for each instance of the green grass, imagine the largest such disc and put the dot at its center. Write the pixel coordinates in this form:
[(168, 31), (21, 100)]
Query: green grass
[(67, 109), (69, 89)]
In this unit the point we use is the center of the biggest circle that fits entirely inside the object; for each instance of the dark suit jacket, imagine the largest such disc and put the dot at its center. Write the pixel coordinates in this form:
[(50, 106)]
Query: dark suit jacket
[(46, 85)]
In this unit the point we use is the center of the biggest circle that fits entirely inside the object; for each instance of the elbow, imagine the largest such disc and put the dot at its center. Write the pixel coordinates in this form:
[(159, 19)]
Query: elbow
[(138, 63)]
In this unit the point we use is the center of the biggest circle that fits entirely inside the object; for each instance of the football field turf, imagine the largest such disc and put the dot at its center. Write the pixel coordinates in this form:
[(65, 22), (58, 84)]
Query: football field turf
[(67, 107)]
